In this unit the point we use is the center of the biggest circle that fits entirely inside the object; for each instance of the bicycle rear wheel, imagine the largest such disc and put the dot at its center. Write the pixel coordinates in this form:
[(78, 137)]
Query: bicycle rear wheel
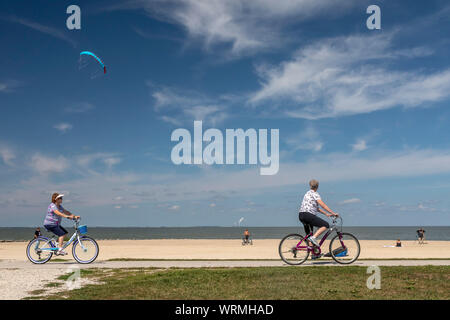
[(39, 250), (289, 252), (345, 250), (86, 250)]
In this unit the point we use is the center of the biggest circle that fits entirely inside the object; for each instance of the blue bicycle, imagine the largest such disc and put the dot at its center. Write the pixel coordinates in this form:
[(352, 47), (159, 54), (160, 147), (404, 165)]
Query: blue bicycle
[(84, 250)]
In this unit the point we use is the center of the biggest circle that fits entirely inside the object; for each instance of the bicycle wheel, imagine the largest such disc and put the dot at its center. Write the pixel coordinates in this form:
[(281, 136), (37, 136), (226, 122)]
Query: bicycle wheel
[(86, 251), (345, 250), (39, 250), (289, 252)]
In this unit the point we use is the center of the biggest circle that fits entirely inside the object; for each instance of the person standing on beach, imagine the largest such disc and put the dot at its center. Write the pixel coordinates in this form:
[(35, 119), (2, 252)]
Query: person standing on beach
[(421, 234), (52, 221), (309, 210), (37, 233), (246, 235)]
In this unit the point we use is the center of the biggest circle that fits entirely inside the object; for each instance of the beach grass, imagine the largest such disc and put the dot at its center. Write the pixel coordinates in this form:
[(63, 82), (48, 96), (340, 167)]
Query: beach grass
[(412, 282)]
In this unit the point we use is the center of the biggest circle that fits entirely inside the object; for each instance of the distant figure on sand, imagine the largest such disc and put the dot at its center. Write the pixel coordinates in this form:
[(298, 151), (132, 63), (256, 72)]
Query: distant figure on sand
[(246, 235), (37, 232), (421, 235), (399, 243)]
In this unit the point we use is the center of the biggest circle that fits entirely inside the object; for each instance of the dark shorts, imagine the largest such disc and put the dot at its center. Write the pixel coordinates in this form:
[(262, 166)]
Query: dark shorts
[(58, 230), (310, 220)]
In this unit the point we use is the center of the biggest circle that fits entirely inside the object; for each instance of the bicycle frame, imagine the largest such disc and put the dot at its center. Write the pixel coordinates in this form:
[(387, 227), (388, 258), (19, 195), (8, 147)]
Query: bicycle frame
[(76, 235), (329, 231)]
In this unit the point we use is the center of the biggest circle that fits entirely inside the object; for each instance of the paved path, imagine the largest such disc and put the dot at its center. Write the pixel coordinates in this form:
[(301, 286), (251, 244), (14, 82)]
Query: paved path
[(25, 265)]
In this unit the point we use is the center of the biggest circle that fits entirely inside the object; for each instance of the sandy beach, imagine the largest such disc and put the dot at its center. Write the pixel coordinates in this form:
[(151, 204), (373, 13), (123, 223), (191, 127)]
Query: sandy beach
[(232, 249)]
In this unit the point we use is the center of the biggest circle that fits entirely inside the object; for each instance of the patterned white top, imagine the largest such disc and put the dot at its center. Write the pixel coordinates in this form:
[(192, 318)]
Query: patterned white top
[(309, 203)]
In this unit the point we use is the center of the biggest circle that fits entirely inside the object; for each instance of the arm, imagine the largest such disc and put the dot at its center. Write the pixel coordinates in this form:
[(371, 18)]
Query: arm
[(65, 214), (72, 216), (323, 205)]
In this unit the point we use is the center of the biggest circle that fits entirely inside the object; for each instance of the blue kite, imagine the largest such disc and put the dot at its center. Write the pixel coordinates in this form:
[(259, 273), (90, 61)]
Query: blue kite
[(97, 58)]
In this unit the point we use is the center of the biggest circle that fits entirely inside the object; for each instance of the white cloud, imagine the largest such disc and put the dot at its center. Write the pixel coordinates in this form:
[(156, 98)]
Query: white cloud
[(346, 76), (8, 86), (54, 32), (109, 159), (308, 139), (43, 164), (242, 26), (350, 201), (359, 145), (174, 207), (182, 106), (171, 120), (210, 113), (80, 107), (7, 155), (63, 127)]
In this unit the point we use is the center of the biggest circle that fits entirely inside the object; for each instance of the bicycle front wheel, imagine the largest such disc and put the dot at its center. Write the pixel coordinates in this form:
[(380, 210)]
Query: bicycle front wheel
[(345, 248), (39, 250), (86, 250), (289, 251)]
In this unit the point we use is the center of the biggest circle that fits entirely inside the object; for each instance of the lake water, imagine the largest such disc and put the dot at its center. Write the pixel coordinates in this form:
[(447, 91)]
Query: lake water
[(362, 233)]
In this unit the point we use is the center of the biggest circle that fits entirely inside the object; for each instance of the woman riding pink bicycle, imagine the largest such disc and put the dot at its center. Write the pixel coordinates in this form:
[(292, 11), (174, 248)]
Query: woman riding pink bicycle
[(309, 210)]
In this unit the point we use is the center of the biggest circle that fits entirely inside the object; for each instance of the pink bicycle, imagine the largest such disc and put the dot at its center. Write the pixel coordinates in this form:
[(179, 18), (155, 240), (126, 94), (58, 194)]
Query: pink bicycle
[(294, 249)]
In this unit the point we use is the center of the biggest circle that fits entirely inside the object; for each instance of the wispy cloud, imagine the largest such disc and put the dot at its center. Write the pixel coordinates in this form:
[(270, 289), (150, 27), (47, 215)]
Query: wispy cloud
[(108, 159), (359, 145), (308, 139), (7, 86), (7, 155), (63, 127), (346, 76), (243, 27), (350, 201), (180, 106), (79, 107), (54, 32), (44, 165)]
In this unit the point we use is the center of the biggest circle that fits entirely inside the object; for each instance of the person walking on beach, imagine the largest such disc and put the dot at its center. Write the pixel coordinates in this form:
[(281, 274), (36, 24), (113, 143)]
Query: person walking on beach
[(52, 222), (421, 235), (309, 210)]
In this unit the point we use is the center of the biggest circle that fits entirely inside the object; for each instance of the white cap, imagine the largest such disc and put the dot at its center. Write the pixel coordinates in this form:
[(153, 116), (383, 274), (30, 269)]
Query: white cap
[(59, 196)]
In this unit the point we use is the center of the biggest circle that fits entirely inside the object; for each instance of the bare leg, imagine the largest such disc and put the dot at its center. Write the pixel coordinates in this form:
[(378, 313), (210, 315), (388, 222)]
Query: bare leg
[(319, 232), (60, 241)]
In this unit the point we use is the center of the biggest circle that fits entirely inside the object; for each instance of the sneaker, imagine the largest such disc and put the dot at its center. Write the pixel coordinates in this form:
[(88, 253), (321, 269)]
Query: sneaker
[(314, 241), (61, 252)]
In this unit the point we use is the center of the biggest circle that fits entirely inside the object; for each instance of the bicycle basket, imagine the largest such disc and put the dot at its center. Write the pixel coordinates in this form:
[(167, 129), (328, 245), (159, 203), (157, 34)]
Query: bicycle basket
[(82, 229)]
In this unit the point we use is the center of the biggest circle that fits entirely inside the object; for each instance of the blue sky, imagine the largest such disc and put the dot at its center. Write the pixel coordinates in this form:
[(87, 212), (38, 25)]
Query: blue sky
[(363, 111)]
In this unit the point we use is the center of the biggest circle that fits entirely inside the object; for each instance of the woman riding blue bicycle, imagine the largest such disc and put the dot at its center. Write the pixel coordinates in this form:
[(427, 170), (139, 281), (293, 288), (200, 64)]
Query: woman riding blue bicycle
[(52, 222)]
